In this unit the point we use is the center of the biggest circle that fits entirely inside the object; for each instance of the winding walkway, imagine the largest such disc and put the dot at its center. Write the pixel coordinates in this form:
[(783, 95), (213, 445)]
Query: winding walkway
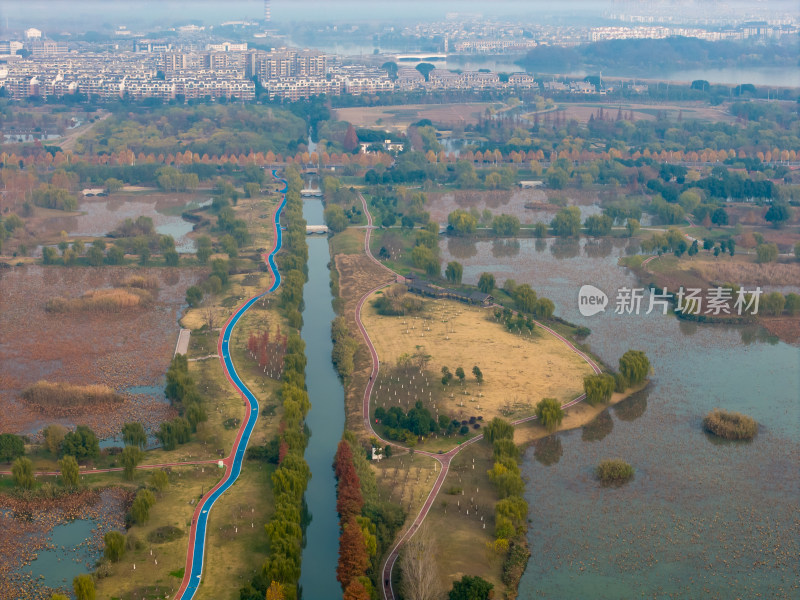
[(445, 458), (233, 463)]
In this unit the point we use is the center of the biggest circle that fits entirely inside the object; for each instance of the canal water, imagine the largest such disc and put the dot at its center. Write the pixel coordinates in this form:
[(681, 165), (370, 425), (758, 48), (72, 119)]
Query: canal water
[(701, 518), (325, 420)]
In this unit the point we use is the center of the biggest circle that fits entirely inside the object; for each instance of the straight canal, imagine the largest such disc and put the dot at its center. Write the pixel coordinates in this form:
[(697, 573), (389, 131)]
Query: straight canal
[(325, 419)]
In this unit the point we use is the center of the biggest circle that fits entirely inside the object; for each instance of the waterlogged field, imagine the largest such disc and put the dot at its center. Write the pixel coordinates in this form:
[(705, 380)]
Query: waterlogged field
[(528, 205), (699, 518), (125, 349)]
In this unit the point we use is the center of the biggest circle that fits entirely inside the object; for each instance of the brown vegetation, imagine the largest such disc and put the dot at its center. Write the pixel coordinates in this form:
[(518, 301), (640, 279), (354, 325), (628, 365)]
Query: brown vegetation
[(58, 399), (730, 425), (748, 273), (119, 349), (140, 281), (105, 300)]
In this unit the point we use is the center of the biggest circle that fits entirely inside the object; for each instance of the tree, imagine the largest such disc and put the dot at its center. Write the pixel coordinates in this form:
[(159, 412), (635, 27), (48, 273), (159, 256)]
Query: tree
[(505, 225), (22, 472), (557, 178), (113, 185), (335, 218), (425, 69), (131, 456), (115, 545), (454, 272), (471, 588), (598, 388), (353, 557), (59, 597), (478, 374), (567, 222), (540, 230), (549, 413), (83, 585), (11, 447), (81, 443), (356, 591), (486, 283), (420, 577), (719, 217), (70, 471), (598, 225), (423, 257), (53, 436), (194, 295), (350, 139), (766, 253), (460, 374), (792, 304), (498, 429), (773, 303), (797, 250), (276, 591), (133, 435), (140, 509), (634, 366), (461, 222), (777, 214), (632, 226), (159, 480)]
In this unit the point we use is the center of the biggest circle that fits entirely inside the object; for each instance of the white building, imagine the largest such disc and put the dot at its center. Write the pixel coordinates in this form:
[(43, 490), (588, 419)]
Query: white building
[(33, 34)]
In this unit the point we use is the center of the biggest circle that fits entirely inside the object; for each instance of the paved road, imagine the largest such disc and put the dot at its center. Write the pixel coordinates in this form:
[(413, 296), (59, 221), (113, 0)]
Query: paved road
[(443, 459), (233, 463)]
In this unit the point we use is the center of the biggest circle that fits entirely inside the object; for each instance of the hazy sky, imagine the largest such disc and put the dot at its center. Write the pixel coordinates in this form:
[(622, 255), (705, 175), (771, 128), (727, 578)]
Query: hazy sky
[(81, 14)]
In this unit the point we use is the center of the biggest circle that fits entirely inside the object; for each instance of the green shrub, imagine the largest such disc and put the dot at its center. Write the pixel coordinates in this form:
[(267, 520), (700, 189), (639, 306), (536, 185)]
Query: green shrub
[(614, 471)]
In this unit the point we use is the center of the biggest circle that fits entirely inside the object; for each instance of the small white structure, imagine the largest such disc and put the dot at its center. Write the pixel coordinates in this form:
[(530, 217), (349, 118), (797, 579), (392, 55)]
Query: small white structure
[(377, 454), (33, 34)]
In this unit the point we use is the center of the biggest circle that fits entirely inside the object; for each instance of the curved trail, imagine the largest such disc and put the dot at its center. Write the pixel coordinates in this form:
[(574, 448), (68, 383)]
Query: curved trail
[(443, 459), (233, 463)]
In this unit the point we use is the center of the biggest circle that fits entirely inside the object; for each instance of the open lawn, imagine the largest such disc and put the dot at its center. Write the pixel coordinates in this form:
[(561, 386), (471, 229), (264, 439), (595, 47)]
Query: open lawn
[(400, 117), (464, 513), (154, 559), (518, 370)]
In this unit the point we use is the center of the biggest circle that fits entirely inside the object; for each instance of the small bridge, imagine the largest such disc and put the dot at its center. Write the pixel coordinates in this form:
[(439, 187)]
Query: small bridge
[(311, 193), (312, 229)]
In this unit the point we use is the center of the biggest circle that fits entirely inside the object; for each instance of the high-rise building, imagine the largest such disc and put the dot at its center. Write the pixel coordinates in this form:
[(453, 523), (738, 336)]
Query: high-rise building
[(267, 15)]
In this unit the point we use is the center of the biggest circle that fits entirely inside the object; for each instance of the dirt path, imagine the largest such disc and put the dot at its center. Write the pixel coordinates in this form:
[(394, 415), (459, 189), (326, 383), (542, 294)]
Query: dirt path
[(68, 141)]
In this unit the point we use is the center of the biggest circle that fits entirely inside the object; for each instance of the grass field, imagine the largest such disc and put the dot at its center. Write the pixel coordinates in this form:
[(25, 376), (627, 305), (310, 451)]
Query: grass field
[(400, 117), (518, 370), (465, 510)]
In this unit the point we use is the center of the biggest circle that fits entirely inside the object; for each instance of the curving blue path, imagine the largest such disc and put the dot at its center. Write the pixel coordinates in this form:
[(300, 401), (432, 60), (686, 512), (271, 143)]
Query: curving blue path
[(197, 545)]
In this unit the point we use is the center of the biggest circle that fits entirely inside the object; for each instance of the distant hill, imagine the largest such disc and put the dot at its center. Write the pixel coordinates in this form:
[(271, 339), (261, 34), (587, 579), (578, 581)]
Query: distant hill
[(650, 57)]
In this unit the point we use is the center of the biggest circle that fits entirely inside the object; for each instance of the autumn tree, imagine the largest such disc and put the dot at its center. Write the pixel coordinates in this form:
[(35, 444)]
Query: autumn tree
[(598, 388), (353, 558)]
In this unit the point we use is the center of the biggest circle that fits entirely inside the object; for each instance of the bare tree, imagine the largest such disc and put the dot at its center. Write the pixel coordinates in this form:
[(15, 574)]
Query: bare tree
[(209, 316), (420, 577)]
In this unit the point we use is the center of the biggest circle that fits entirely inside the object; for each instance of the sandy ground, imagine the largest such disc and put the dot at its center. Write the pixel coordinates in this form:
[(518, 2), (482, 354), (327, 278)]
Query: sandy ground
[(518, 370)]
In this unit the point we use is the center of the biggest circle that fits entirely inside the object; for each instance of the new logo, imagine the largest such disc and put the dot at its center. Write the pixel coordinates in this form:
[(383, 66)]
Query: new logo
[(591, 300)]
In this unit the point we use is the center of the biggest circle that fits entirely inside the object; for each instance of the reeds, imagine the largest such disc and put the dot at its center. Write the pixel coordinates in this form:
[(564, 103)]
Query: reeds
[(63, 397), (730, 425), (109, 300)]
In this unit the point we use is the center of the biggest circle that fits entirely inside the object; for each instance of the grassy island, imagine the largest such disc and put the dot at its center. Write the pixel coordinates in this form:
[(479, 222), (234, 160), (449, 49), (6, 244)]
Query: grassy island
[(614, 471), (730, 425)]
